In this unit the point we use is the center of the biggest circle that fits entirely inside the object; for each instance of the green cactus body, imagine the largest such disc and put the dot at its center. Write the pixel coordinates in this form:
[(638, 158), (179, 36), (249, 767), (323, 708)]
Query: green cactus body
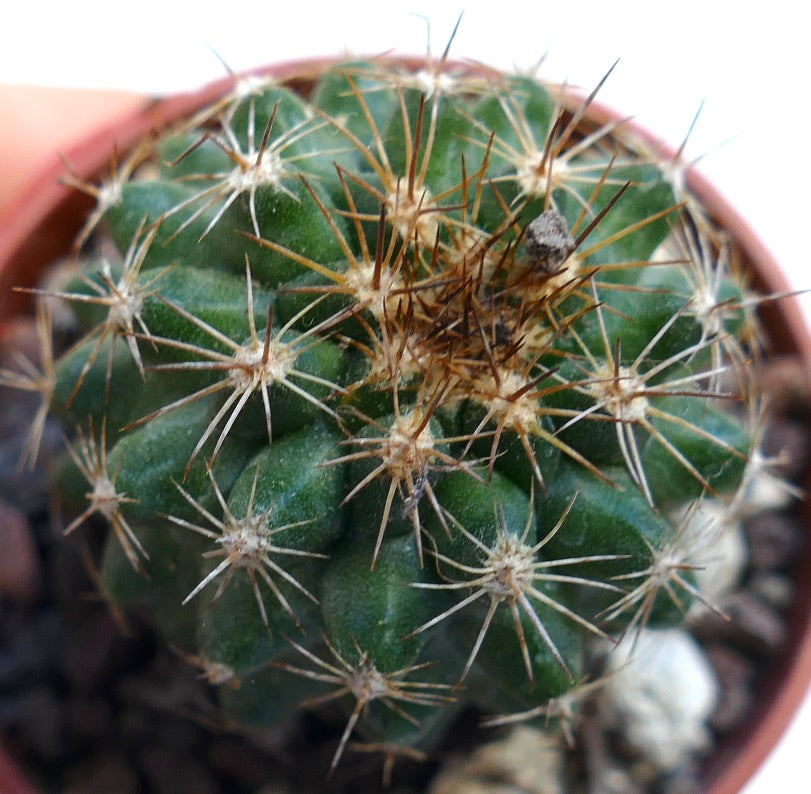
[(399, 393)]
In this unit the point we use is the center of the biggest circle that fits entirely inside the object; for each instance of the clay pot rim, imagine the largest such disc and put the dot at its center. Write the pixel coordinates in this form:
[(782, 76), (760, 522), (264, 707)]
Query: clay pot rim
[(44, 199)]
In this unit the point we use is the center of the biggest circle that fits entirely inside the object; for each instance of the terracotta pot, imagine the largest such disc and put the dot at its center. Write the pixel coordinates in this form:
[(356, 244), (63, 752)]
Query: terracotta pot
[(42, 224)]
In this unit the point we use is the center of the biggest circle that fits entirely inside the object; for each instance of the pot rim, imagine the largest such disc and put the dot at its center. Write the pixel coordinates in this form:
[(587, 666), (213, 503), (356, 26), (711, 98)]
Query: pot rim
[(44, 200)]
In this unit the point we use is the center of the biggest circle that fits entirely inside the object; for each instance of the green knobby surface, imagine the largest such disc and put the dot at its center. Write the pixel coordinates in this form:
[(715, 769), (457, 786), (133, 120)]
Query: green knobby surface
[(365, 429)]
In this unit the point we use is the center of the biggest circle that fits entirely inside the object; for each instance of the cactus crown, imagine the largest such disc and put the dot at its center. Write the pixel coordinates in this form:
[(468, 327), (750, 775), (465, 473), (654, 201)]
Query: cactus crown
[(392, 391)]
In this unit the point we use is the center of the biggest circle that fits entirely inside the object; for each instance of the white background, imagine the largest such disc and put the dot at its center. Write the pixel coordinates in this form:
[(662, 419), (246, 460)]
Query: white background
[(749, 63)]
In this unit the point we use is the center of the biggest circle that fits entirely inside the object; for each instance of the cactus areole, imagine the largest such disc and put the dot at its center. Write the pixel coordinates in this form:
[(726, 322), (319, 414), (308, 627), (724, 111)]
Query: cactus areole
[(391, 389)]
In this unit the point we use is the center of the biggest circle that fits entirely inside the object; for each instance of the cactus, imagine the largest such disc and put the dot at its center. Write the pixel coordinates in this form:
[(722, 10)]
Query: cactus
[(392, 392)]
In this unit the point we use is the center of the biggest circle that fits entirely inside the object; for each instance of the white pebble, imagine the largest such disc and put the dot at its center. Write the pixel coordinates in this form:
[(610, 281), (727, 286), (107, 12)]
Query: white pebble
[(660, 690)]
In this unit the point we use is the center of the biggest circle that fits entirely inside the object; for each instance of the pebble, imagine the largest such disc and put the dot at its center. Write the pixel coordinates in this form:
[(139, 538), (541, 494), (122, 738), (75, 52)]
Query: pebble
[(789, 443), (91, 719), (751, 625), (774, 539), (233, 759), (135, 725), (20, 573), (735, 673), (30, 647), (659, 691), (107, 774), (167, 772), (775, 589), (526, 760), (785, 380), (756, 622), (85, 671), (41, 726)]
